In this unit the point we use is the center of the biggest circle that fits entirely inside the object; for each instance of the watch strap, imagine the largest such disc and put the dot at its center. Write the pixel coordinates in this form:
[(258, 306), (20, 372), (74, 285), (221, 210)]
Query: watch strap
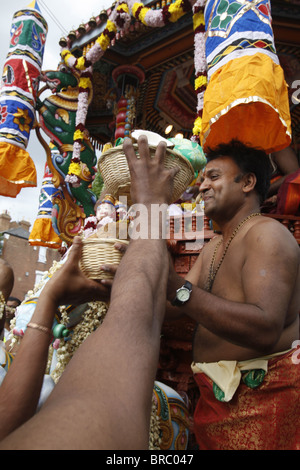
[(176, 302)]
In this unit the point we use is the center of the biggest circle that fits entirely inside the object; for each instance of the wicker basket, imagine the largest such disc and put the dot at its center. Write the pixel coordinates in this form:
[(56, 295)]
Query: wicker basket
[(116, 176), (99, 251)]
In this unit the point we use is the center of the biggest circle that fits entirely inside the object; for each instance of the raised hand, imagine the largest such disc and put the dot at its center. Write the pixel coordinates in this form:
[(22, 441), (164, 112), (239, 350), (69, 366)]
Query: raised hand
[(151, 182)]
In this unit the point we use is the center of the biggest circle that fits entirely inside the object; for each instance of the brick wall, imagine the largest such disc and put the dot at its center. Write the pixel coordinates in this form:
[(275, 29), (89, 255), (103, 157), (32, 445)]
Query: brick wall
[(26, 261)]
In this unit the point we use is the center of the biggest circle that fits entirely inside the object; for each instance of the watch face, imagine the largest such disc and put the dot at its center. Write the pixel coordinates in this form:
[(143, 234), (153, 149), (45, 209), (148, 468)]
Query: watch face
[(183, 295)]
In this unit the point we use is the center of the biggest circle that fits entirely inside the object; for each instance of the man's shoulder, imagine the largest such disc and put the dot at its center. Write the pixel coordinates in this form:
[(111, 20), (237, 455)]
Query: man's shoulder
[(272, 232)]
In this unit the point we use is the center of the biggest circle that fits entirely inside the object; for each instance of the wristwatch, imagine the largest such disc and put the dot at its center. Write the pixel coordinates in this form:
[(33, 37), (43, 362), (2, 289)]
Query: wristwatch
[(183, 294)]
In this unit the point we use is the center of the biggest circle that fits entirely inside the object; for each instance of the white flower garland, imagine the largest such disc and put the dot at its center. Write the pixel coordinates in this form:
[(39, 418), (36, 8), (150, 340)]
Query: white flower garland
[(200, 64), (120, 19), (91, 320)]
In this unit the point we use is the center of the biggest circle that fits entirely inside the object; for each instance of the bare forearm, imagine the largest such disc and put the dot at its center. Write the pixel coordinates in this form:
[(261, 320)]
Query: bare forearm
[(145, 262), (228, 319), (116, 359), (20, 391), (274, 187), (146, 272)]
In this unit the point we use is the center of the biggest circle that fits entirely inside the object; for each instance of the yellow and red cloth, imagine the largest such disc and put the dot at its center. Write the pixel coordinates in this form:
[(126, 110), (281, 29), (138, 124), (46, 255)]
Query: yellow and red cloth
[(265, 417), (18, 94), (246, 97), (288, 196), (17, 170), (43, 233)]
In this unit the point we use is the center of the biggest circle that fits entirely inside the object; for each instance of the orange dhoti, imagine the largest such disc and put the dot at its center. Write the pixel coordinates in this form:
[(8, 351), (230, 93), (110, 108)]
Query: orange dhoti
[(263, 418)]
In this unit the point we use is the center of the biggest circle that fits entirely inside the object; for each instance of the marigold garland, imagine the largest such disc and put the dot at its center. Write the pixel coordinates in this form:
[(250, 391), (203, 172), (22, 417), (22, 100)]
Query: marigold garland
[(120, 19), (169, 13), (200, 64)]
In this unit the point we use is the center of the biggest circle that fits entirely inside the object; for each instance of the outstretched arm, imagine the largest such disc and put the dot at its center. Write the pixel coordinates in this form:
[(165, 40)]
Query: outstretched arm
[(103, 399), (20, 390)]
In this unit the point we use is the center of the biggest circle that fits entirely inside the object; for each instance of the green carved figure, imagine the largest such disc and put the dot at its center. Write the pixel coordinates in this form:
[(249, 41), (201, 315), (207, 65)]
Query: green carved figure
[(58, 120)]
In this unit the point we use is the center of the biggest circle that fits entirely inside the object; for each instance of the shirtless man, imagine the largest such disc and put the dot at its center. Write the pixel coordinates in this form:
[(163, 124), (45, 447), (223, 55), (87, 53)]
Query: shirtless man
[(247, 305)]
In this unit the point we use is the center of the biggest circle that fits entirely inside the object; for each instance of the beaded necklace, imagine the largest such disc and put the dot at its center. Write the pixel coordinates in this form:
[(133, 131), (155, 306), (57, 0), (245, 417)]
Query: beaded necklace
[(213, 272)]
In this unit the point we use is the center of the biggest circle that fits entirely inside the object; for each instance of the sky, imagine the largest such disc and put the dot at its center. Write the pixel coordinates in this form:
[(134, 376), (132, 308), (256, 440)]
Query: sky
[(69, 14)]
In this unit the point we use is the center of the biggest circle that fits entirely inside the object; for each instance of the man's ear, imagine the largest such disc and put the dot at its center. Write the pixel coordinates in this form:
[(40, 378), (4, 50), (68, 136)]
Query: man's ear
[(249, 182)]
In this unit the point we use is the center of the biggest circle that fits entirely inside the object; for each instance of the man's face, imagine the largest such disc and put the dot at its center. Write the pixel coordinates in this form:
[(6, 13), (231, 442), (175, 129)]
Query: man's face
[(220, 187)]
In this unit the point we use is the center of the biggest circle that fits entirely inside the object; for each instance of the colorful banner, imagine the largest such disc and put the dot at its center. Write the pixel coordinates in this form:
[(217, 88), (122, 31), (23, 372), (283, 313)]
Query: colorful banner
[(246, 97), (43, 233), (20, 81)]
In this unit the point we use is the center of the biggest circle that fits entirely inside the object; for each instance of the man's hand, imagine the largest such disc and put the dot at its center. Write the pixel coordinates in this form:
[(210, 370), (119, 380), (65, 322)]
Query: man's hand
[(69, 286), (151, 182)]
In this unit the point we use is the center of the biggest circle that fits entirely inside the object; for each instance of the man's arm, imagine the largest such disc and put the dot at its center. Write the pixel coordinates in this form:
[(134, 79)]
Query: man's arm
[(268, 278), (287, 162), (20, 390), (175, 281), (103, 399)]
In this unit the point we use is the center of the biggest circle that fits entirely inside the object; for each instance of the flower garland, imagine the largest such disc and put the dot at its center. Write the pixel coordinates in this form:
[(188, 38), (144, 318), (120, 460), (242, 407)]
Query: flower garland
[(158, 18), (92, 318), (155, 429), (200, 64), (85, 90), (119, 19)]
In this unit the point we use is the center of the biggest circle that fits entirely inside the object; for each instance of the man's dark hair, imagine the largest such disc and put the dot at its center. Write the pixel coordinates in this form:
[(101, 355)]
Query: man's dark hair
[(249, 160)]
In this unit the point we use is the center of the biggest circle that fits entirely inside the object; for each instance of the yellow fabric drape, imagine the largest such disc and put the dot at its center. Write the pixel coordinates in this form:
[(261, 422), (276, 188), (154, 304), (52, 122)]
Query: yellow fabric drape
[(17, 170), (43, 234), (247, 99)]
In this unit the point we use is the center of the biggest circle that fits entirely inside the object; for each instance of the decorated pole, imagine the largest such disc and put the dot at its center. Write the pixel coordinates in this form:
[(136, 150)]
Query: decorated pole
[(246, 96), (128, 78), (18, 94), (43, 232)]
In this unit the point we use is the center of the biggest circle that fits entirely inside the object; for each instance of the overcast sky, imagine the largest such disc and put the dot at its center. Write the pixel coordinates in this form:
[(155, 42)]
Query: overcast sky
[(69, 13)]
